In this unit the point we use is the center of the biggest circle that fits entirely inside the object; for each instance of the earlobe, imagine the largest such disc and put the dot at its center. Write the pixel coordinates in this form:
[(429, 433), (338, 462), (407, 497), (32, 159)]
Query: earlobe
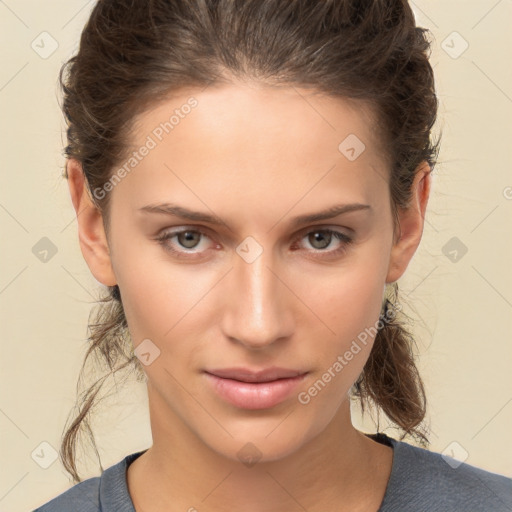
[(91, 232), (411, 224)]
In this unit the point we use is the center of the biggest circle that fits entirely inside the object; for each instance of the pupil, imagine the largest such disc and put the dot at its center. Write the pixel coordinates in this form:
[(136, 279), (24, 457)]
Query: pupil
[(320, 237), (189, 239)]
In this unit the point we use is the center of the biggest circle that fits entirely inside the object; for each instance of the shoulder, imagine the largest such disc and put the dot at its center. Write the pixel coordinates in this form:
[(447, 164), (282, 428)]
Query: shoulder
[(82, 497), (429, 481), (106, 493)]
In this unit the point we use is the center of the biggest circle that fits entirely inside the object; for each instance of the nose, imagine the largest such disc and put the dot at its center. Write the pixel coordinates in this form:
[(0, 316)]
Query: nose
[(258, 304)]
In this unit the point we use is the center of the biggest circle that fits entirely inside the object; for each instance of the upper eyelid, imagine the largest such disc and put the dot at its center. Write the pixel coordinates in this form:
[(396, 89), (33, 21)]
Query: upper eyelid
[(205, 230), (324, 227)]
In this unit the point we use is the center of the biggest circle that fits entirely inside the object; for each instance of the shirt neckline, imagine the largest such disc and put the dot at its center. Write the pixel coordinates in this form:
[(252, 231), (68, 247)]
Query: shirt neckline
[(113, 486)]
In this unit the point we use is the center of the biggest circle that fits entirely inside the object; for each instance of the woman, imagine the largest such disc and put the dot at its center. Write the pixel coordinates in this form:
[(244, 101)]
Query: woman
[(250, 180)]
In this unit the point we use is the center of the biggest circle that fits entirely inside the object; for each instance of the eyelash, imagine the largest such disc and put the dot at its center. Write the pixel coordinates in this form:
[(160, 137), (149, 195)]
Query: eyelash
[(342, 237)]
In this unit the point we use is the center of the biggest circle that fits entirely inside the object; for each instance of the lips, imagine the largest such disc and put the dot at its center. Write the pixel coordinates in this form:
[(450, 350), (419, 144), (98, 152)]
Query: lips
[(249, 389), (246, 375)]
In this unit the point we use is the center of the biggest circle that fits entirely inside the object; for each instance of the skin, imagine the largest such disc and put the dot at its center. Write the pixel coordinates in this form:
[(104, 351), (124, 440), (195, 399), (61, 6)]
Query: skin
[(254, 156)]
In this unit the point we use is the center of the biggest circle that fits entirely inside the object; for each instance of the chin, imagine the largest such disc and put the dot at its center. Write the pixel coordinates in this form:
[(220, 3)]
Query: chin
[(269, 442)]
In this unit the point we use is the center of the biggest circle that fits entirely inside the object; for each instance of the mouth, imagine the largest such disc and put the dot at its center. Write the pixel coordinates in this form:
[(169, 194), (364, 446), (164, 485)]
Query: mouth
[(248, 389)]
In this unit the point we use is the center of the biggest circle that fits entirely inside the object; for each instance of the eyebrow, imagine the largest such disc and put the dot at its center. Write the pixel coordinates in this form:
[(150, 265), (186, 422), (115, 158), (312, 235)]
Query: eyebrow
[(184, 213)]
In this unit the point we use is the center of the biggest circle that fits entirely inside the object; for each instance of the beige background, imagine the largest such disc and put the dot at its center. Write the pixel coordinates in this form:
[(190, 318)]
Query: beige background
[(463, 309)]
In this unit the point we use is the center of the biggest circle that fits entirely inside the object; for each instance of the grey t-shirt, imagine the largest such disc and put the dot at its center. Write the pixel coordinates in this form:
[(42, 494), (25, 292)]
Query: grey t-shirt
[(420, 481)]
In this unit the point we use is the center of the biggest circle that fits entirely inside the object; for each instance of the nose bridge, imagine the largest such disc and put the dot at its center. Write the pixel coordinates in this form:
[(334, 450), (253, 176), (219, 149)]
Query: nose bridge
[(258, 308)]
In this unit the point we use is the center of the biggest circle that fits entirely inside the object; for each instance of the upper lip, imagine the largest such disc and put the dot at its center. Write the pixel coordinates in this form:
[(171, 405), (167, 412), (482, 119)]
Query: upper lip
[(247, 375)]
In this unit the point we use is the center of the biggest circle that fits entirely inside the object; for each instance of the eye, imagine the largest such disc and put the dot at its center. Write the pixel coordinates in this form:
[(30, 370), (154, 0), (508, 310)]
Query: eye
[(186, 239), (319, 239)]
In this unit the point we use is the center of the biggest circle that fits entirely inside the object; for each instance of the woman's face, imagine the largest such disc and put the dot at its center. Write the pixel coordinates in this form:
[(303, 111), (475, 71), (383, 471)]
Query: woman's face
[(259, 288)]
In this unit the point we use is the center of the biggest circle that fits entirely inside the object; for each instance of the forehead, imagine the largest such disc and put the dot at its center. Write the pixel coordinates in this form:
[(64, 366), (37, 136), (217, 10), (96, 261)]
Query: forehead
[(222, 113), (236, 137)]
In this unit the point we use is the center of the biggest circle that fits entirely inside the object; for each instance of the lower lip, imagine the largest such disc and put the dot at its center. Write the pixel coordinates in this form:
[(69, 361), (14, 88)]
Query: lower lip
[(254, 395)]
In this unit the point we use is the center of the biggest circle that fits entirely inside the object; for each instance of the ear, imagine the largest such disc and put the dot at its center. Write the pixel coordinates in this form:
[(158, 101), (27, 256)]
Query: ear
[(91, 232), (411, 224)]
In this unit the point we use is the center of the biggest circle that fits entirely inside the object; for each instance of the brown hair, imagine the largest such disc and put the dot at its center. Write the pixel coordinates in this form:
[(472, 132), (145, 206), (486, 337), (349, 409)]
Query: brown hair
[(134, 53)]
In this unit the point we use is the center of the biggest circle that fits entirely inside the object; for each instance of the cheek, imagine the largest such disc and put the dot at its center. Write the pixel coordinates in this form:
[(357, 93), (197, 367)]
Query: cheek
[(163, 300), (350, 299), (351, 310)]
